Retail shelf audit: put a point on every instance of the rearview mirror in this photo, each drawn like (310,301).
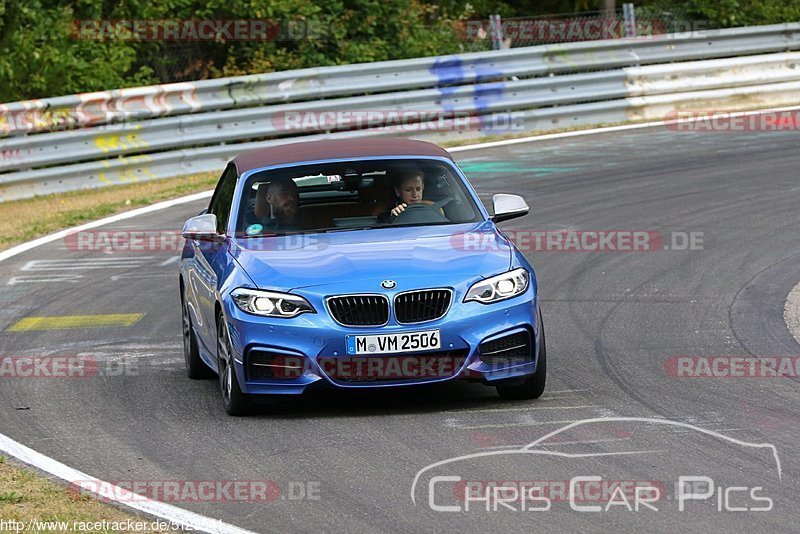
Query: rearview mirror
(201,228)
(508,207)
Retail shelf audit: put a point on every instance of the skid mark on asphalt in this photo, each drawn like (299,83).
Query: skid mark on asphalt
(127,276)
(91,263)
(75,321)
(11,293)
(45,279)
(53,266)
(103,349)
(527,409)
(455,424)
(576,442)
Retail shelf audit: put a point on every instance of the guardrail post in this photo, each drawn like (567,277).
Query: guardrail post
(609,9)
(497,32)
(630,20)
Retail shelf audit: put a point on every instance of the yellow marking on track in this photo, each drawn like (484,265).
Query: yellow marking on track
(63,322)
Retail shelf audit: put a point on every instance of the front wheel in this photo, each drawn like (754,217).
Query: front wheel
(235,402)
(195,367)
(533,386)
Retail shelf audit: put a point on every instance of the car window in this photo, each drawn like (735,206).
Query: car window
(223,197)
(357,194)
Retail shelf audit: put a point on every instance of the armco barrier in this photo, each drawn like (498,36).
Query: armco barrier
(162,131)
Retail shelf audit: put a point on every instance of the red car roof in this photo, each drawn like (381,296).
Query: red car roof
(335,149)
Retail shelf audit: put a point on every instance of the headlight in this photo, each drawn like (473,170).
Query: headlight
(270,303)
(500,287)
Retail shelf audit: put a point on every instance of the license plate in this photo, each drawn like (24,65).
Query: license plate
(394,343)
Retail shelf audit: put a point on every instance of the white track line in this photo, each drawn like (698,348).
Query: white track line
(168,512)
(19,249)
(173,513)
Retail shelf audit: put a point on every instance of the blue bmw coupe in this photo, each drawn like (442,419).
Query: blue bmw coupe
(356,264)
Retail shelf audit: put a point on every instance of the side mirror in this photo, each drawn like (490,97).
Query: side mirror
(508,207)
(202,228)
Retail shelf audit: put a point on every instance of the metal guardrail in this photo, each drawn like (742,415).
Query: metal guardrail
(538,88)
(91,109)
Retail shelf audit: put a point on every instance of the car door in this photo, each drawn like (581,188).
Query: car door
(211,259)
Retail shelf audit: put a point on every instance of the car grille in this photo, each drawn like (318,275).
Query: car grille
(404,368)
(419,306)
(510,349)
(360,310)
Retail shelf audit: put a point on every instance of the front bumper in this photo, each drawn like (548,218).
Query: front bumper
(319,342)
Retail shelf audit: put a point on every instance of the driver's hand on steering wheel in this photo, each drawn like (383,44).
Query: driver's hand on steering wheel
(400,208)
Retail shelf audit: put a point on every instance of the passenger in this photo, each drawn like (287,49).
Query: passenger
(276,209)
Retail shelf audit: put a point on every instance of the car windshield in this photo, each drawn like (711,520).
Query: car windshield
(352,195)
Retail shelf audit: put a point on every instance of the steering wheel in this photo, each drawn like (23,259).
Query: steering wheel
(420,213)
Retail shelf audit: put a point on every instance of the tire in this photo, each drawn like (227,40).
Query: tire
(234,401)
(533,386)
(196,369)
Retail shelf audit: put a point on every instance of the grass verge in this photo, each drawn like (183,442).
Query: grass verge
(36,504)
(27,219)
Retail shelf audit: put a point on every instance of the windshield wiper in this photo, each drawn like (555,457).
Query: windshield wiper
(346,229)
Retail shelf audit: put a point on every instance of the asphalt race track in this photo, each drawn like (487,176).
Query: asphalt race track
(615,322)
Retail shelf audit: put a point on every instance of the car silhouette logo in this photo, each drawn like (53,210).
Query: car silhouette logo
(388,284)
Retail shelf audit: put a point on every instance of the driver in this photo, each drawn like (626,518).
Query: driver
(409,189)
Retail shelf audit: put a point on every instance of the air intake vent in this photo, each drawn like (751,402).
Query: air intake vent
(507,350)
(264,365)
